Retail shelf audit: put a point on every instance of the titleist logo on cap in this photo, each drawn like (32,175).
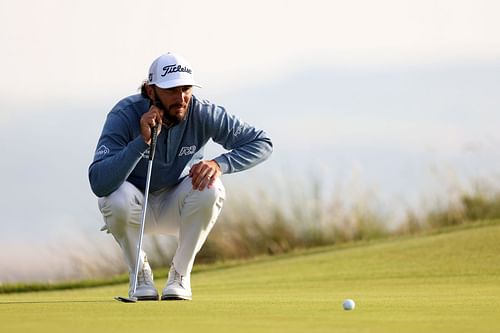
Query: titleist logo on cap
(176,68)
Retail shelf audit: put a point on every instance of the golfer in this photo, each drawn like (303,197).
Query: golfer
(186,192)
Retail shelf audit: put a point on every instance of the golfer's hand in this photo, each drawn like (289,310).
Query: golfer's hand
(204,174)
(149,120)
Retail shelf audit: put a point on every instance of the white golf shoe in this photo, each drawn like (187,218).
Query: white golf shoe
(178,287)
(145,289)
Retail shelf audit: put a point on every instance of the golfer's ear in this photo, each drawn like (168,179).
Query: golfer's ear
(151,92)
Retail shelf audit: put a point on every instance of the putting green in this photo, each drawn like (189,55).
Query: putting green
(448,282)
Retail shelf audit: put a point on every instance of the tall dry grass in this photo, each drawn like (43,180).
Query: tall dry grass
(261,225)
(257,225)
(481,203)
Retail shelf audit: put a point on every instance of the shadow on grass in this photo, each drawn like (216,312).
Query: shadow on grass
(54,302)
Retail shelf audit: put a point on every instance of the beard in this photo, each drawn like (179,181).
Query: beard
(175,118)
(168,118)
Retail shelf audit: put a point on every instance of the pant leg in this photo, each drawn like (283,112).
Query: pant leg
(122,213)
(191,214)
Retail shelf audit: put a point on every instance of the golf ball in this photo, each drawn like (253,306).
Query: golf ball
(349,304)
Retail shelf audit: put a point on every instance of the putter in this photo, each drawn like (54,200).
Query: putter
(152,149)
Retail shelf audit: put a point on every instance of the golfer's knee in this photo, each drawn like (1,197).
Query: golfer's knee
(120,207)
(213,195)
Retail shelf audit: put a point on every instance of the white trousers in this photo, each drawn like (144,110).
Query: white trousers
(186,213)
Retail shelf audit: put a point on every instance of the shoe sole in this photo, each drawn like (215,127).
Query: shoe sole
(147,298)
(175,298)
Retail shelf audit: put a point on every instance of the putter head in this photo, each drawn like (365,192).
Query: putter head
(126,299)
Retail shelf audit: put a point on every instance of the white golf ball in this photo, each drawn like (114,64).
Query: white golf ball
(349,304)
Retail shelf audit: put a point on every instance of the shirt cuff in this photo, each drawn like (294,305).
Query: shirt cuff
(138,145)
(223,163)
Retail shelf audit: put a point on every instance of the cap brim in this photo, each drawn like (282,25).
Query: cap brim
(175,83)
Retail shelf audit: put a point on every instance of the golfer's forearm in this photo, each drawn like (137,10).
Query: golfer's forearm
(246,156)
(108,174)
(247,145)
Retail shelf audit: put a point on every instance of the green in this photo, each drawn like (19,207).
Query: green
(441,282)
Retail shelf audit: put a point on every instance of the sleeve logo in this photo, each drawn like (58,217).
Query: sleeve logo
(238,130)
(101,151)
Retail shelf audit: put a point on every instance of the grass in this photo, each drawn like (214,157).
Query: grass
(446,281)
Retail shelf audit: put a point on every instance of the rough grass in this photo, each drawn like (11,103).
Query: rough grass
(446,281)
(263,226)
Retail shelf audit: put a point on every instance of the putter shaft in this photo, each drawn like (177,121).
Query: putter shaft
(154,134)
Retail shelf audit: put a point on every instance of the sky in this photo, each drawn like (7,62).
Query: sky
(400,96)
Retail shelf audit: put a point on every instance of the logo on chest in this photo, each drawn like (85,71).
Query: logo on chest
(189,150)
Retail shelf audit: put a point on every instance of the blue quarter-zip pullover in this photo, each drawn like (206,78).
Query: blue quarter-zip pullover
(121,152)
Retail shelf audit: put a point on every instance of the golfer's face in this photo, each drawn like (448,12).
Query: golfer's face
(176,101)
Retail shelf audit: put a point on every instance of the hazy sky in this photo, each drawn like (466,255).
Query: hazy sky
(96,48)
(383,88)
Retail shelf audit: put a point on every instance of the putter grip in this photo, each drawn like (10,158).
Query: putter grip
(154,138)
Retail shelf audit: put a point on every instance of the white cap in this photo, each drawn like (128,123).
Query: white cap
(171,70)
